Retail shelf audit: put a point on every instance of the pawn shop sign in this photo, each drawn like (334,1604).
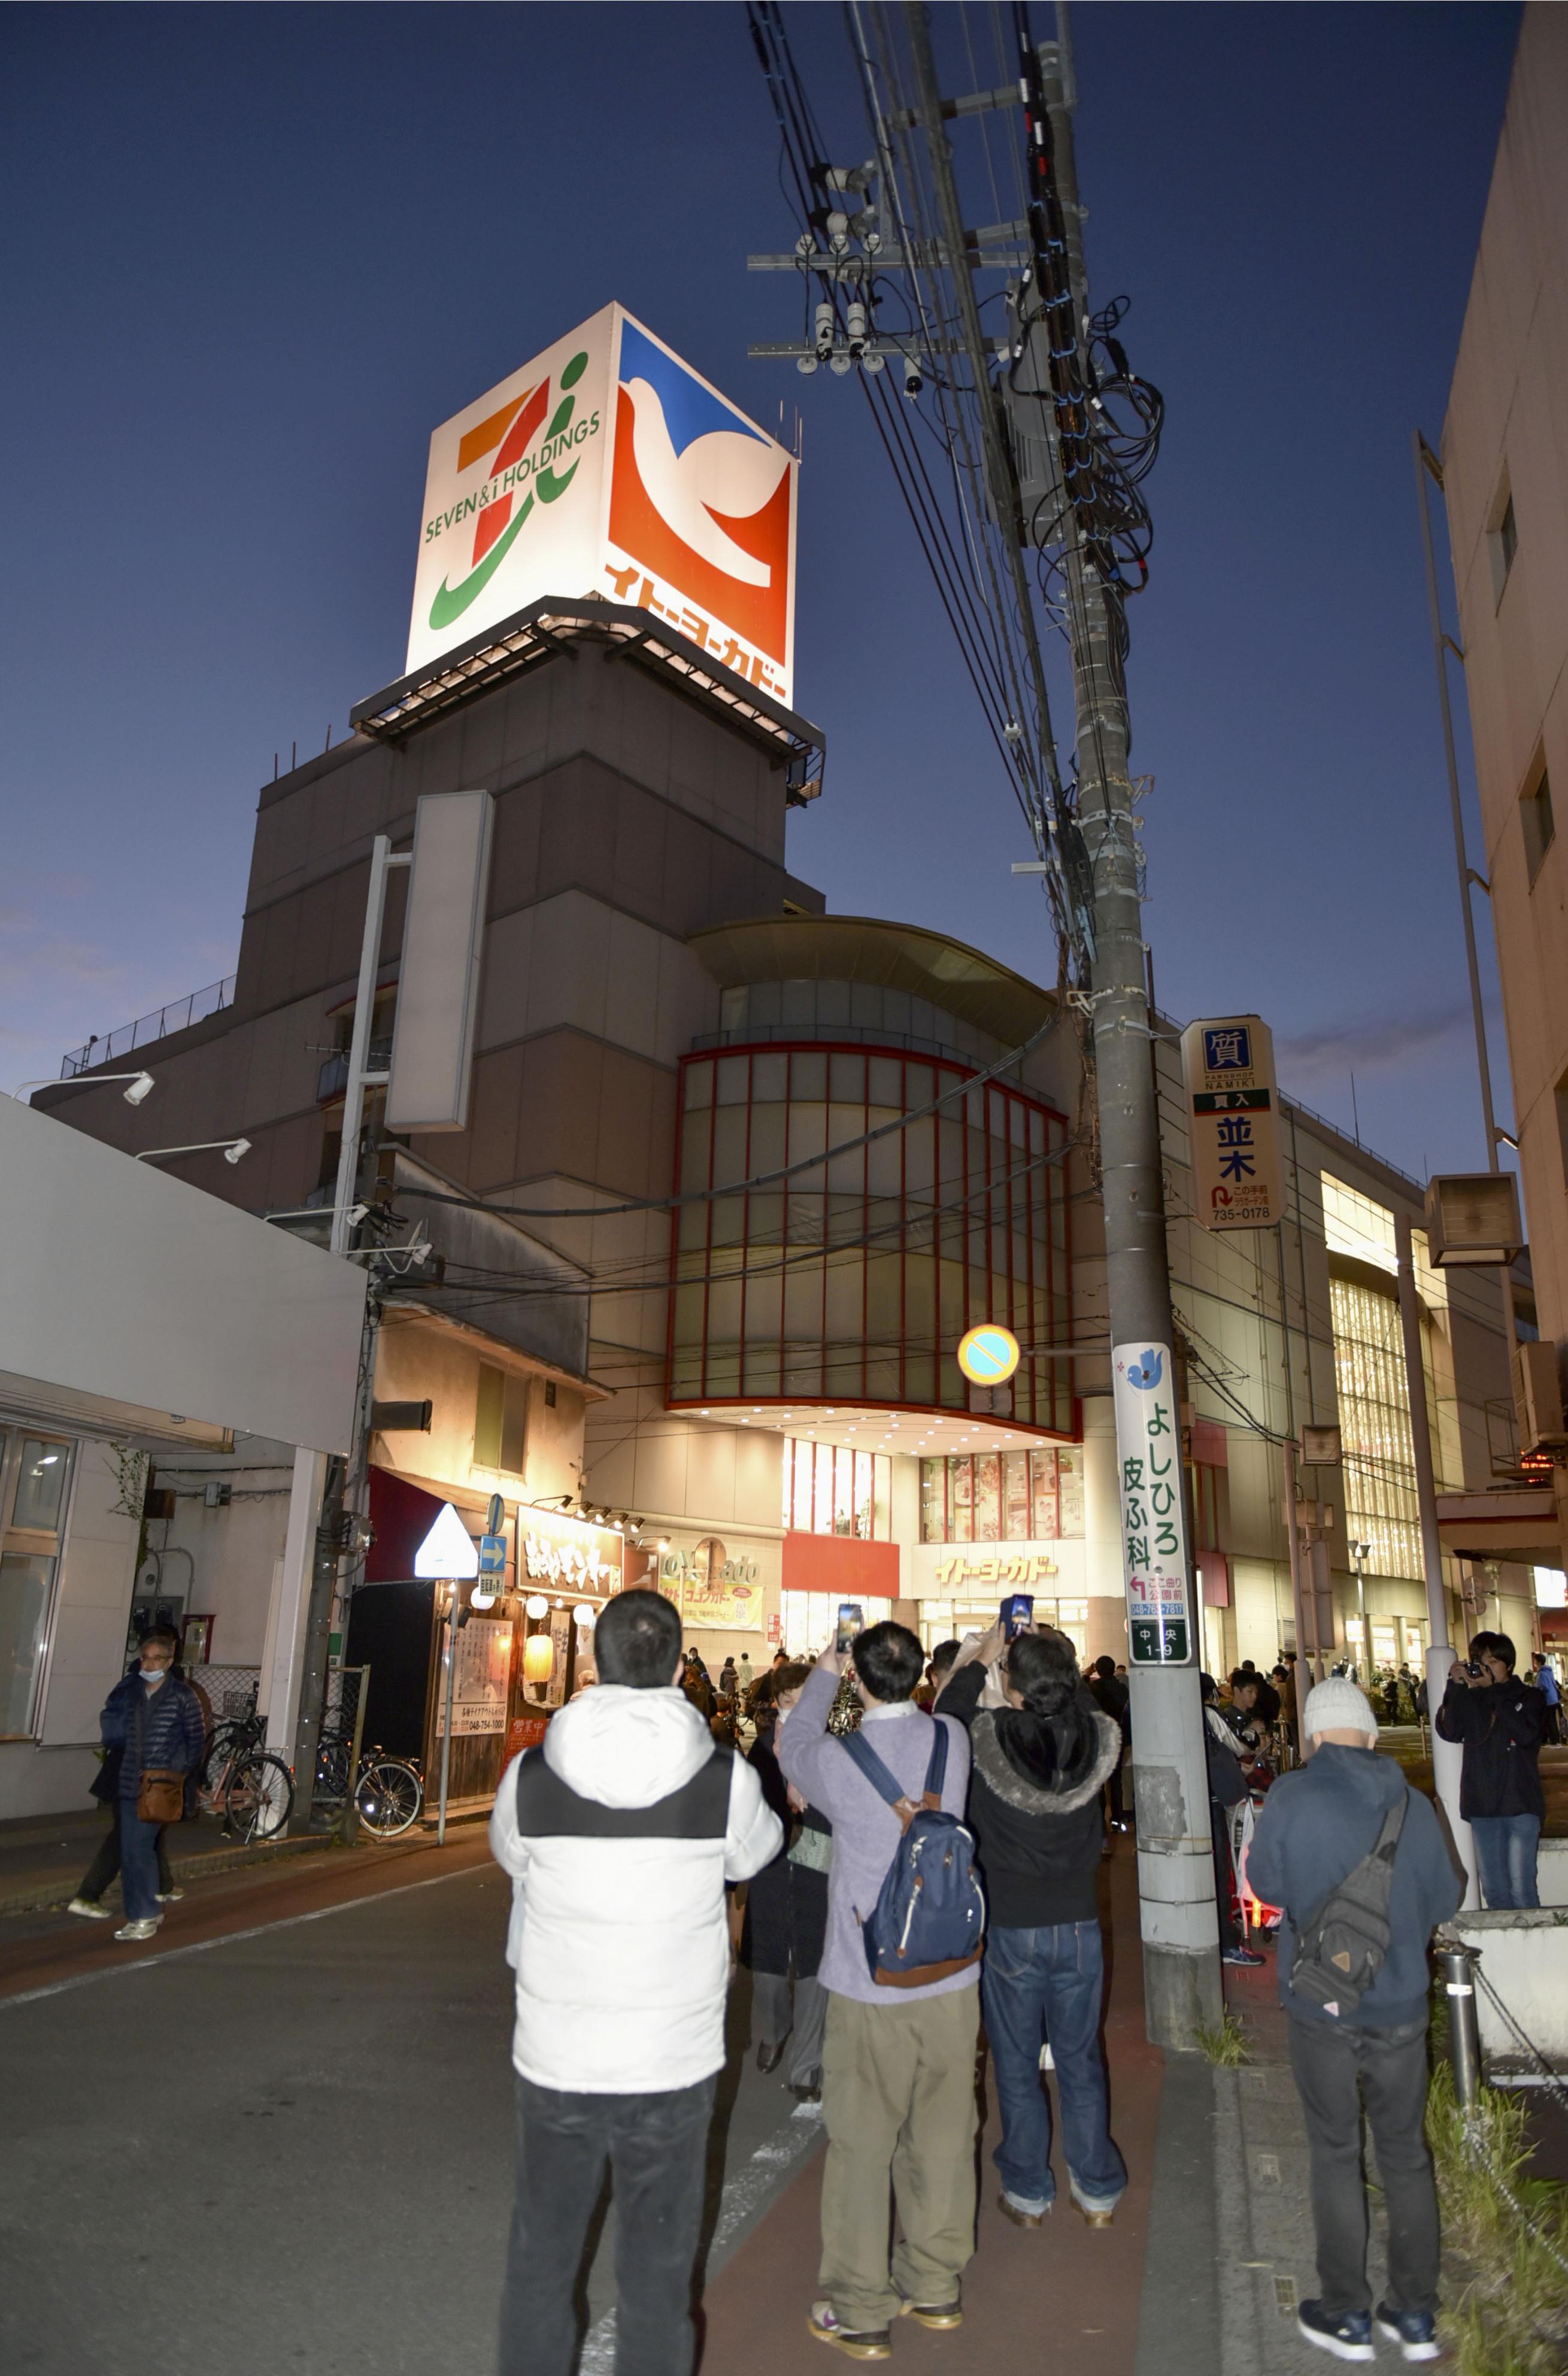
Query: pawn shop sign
(1232,1102)
(988,1355)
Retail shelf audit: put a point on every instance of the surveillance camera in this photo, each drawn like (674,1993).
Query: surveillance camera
(914,378)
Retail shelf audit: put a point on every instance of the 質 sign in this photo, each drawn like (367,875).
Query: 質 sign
(1227,1065)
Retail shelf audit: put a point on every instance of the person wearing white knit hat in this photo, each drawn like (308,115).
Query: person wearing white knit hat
(1338,1711)
(1317,1825)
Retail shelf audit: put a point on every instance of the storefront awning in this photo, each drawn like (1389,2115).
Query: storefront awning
(1517,1524)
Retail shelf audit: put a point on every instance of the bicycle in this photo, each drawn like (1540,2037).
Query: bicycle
(388,1791)
(245,1784)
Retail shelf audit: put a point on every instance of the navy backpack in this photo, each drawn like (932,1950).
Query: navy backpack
(929,1920)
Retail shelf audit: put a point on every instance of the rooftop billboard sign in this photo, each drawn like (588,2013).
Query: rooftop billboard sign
(607,466)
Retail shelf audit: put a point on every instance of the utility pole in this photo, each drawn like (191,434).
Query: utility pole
(330,1542)
(1176,1891)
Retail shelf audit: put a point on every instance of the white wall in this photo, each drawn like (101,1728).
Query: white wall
(118,1282)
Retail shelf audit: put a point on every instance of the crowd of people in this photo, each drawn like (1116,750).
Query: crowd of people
(670,1821)
(812,1786)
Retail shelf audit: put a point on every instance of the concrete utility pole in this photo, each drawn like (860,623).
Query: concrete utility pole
(329,1532)
(1176,1887)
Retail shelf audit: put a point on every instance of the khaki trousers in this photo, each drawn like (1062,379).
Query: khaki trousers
(898,2102)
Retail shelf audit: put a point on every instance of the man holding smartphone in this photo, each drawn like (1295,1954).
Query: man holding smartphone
(1501,1721)
(898,2063)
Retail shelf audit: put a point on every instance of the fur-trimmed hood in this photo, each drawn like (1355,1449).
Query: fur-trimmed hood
(991,1762)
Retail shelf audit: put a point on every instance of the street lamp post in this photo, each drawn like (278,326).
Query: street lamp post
(1361,1554)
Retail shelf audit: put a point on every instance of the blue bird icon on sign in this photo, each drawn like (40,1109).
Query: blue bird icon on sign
(1146,1372)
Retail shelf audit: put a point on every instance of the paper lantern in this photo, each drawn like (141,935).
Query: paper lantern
(539,1659)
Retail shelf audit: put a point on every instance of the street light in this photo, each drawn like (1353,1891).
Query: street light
(140,1085)
(233,1148)
(1361,1554)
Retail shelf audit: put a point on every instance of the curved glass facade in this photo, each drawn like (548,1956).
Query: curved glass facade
(853,1280)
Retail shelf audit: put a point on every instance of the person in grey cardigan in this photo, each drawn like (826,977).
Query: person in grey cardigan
(898,2063)
(1317,1824)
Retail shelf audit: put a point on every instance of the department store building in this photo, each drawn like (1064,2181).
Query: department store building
(746,1170)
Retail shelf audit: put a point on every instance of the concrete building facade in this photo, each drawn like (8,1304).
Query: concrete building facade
(738,1173)
(1504,459)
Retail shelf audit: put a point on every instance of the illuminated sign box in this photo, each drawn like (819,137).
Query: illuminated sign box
(607,466)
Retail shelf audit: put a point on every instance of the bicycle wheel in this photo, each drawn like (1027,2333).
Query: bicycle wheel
(389,1797)
(259,1798)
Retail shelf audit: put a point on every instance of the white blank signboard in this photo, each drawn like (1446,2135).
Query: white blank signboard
(432,1040)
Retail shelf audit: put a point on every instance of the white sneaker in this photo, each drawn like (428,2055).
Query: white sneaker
(167,1896)
(89,1910)
(144,1928)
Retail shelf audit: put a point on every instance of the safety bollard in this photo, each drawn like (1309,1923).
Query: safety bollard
(1459,1963)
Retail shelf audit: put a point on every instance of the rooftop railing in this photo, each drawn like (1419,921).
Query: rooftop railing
(147,1027)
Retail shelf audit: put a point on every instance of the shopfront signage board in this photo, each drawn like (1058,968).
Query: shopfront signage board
(606,465)
(481,1681)
(561,1555)
(1232,1109)
(1154,1542)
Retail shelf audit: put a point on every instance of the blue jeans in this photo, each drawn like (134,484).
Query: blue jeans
(138,1864)
(1035,1985)
(1505,1858)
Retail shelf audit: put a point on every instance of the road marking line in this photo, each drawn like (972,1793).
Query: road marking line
(230,1937)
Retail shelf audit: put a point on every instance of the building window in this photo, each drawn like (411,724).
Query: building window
(1503,539)
(829,1490)
(550,1394)
(1508,536)
(34,1470)
(1539,826)
(1006,1497)
(501,1422)
(950,1620)
(852,1280)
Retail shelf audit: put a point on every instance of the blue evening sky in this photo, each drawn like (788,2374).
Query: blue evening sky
(253,255)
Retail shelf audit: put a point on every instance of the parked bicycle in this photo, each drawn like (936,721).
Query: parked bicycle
(239,1781)
(388,1791)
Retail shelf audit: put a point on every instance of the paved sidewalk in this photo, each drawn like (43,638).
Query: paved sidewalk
(42,1858)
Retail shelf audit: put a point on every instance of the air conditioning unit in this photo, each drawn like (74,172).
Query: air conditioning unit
(1321,1447)
(1473,1216)
(1538,1398)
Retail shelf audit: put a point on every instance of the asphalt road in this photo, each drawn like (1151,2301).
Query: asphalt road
(281,2138)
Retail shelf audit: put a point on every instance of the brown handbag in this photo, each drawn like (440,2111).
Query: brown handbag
(160,1798)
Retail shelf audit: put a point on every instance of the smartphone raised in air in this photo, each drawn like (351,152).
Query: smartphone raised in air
(1018,1610)
(851,1621)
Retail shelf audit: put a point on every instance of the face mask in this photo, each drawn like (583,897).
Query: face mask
(153,1674)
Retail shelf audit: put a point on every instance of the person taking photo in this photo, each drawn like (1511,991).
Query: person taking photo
(1039,1766)
(1502,1722)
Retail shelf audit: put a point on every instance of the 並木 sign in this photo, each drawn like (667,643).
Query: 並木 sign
(1238,1178)
(1154,1534)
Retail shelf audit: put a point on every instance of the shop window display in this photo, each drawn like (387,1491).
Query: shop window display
(1012,1497)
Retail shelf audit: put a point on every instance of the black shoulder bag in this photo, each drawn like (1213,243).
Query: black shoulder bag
(1341,1949)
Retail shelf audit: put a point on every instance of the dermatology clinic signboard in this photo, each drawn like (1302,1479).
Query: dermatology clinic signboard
(1154,1542)
(607,466)
(1232,1102)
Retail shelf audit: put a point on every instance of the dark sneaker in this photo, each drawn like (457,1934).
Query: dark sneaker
(1241,1955)
(870,2343)
(939,2315)
(1347,2336)
(1415,2331)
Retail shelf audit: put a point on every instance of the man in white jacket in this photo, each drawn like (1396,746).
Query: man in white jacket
(620,1834)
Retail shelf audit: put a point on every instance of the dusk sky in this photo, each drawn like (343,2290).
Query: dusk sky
(255,254)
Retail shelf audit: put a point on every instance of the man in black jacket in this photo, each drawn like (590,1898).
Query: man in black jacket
(1039,1765)
(1317,1824)
(1501,1721)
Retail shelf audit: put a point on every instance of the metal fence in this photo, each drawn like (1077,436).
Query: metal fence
(193,1008)
(225,1693)
(341,1742)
